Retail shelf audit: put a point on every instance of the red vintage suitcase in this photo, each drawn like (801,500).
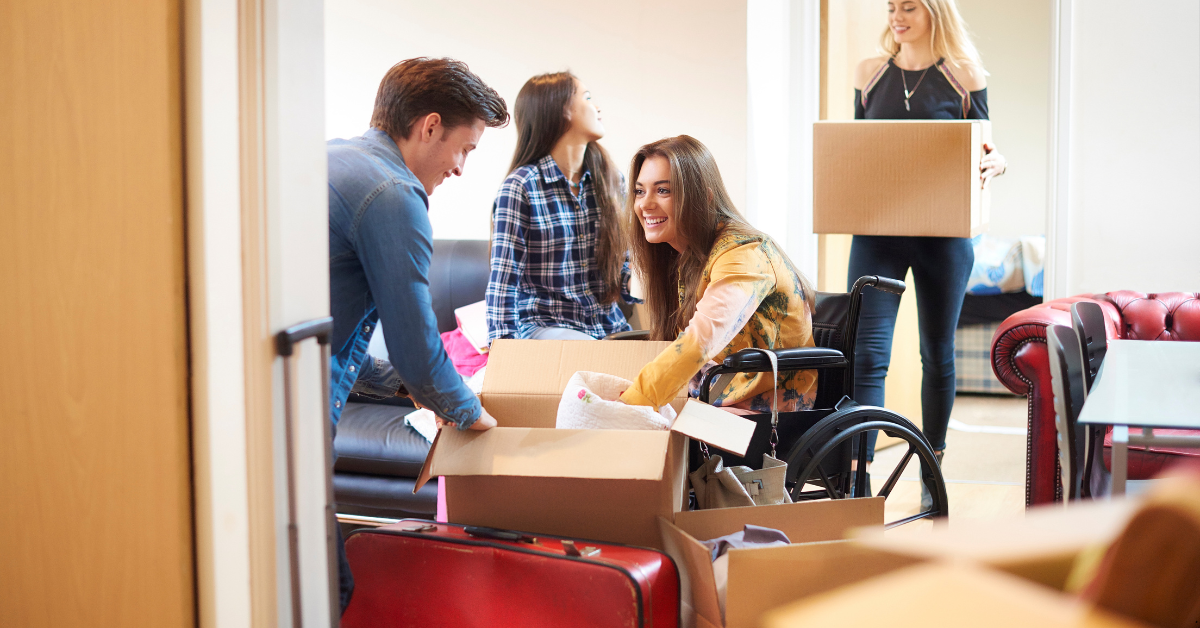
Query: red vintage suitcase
(421,573)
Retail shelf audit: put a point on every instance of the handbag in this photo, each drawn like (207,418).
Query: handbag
(719,486)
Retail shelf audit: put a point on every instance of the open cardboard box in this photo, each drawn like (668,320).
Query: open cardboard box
(760,579)
(1042,545)
(900,177)
(607,485)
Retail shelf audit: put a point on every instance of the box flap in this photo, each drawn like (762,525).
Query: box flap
(721,429)
(544,366)
(532,452)
(695,568)
(425,475)
(765,578)
(1041,545)
(803,522)
(527,377)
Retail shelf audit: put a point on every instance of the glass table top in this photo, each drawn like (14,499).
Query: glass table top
(1146,383)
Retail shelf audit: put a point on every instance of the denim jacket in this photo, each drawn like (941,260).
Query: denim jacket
(380,247)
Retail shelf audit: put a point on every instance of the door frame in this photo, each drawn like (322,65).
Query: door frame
(254,120)
(1058,181)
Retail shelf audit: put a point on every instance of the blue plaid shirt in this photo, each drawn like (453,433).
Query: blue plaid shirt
(544,257)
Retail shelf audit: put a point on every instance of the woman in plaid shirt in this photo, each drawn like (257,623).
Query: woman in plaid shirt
(559,260)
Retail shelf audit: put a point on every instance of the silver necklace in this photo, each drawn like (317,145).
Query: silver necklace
(908,94)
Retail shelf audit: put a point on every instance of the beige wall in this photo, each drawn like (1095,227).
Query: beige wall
(1013,38)
(655,68)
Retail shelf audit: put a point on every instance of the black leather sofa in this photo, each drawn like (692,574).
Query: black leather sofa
(378,456)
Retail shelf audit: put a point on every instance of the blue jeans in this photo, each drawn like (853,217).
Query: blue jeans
(941,268)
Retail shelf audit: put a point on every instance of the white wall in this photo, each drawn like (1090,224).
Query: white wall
(784,95)
(1130,206)
(655,68)
(1013,38)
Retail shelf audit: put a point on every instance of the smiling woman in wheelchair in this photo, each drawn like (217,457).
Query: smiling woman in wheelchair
(713,284)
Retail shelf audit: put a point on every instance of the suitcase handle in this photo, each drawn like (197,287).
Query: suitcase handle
(569,547)
(285,345)
(498,535)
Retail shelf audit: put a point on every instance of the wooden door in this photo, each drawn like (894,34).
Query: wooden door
(95,489)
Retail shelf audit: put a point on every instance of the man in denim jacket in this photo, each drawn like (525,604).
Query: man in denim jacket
(429,114)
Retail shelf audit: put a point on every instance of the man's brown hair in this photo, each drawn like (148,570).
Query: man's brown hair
(415,88)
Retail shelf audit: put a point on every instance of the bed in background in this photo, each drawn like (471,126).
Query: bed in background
(1006,278)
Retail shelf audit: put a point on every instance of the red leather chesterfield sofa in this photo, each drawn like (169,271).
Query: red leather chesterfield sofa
(1020,360)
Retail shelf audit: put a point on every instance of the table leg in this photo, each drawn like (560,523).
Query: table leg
(1120,462)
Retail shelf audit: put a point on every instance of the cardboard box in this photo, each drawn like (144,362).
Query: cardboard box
(900,177)
(939,594)
(1041,546)
(760,579)
(608,485)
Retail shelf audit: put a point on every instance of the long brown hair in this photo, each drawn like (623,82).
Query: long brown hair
(703,212)
(541,116)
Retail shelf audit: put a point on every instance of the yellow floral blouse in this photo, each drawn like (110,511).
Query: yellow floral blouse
(750,296)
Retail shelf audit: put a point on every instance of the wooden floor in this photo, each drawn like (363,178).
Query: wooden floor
(984,471)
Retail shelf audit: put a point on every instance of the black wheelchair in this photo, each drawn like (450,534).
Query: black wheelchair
(826,447)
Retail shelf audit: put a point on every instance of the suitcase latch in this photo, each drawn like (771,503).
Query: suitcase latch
(421,528)
(571,549)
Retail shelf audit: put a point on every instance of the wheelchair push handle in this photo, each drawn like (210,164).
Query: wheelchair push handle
(801,358)
(885,284)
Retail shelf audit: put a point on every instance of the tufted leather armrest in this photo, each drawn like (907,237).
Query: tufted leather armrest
(1021,362)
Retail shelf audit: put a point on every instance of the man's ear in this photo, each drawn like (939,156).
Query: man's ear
(431,127)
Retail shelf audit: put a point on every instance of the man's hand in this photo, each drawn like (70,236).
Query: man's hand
(484,422)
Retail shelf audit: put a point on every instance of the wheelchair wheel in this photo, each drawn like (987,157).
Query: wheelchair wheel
(822,457)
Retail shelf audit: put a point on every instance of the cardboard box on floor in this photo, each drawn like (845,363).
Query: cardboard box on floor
(1042,545)
(941,594)
(900,177)
(760,579)
(608,485)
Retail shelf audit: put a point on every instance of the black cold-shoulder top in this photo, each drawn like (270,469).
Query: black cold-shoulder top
(938,97)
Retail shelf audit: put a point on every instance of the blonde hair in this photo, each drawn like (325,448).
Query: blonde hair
(948,36)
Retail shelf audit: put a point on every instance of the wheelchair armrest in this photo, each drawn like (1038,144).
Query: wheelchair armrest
(636,334)
(751,361)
